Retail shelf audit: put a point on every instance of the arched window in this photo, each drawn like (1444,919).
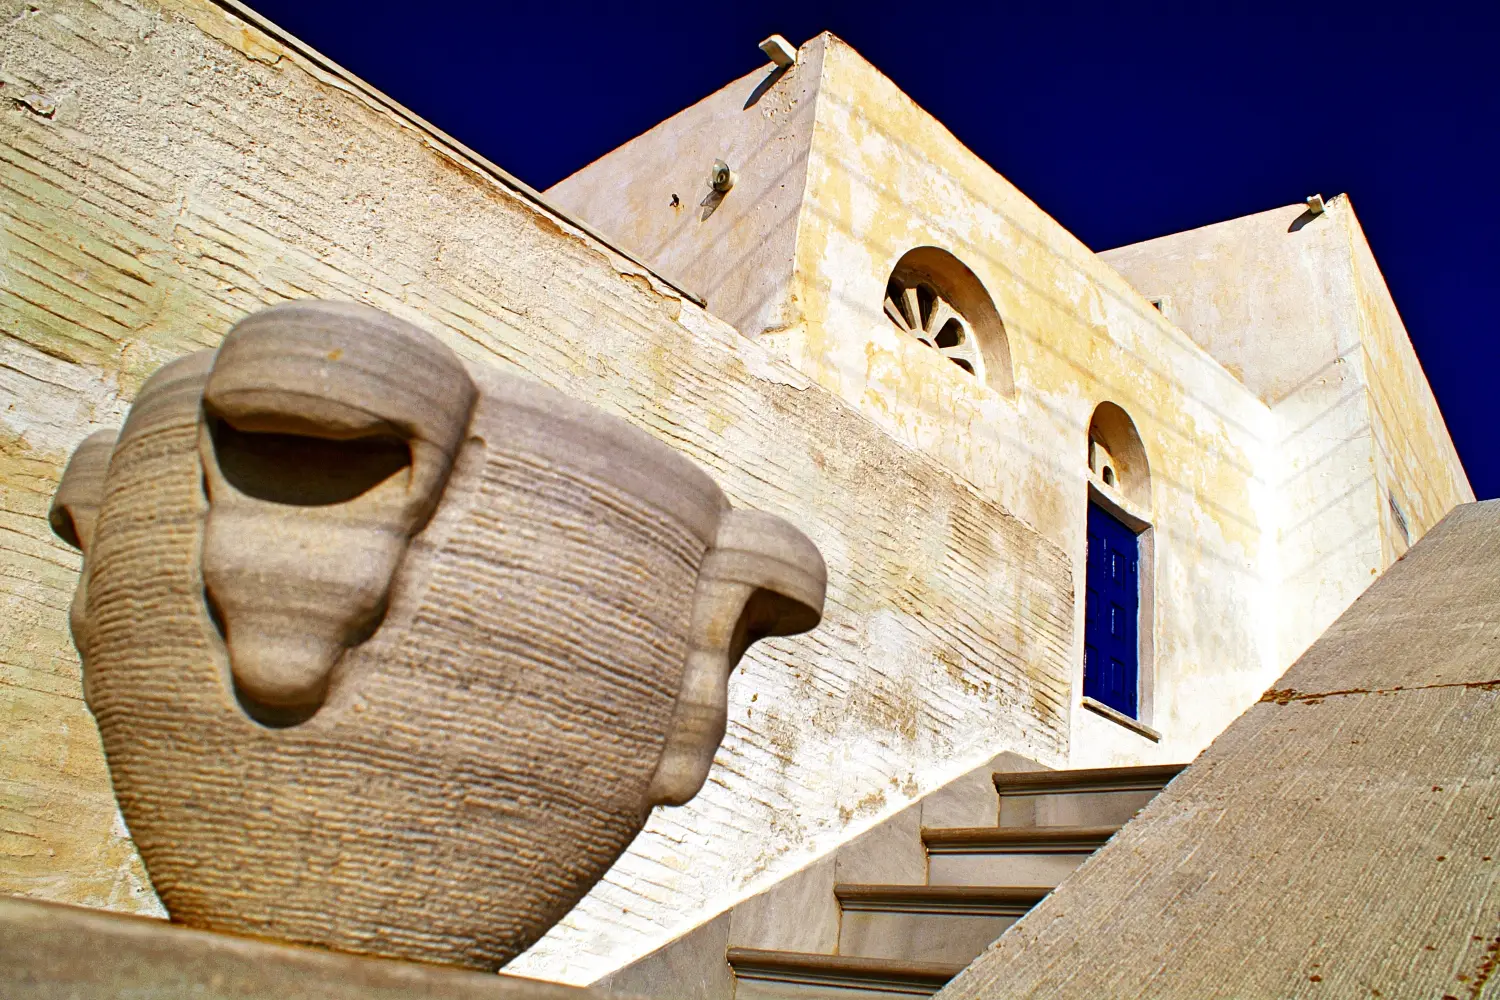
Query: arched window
(1117,458)
(1117,639)
(932,296)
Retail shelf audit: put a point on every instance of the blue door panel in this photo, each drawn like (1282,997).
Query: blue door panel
(1111,613)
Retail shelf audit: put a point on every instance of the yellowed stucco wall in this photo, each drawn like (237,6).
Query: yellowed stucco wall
(1275,391)
(884,176)
(169,169)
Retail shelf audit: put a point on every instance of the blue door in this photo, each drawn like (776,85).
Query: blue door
(1111,613)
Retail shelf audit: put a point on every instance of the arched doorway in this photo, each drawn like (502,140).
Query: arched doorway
(1117,600)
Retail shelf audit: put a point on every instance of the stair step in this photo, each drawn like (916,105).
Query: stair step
(1013,856)
(1016,839)
(963,900)
(1084,797)
(1146,777)
(931,923)
(764,974)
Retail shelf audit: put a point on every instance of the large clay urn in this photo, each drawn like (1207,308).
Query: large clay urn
(394,655)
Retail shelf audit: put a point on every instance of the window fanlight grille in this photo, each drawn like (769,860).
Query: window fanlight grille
(919,310)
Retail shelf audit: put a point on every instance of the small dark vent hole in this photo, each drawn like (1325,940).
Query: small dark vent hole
(1109,476)
(894,292)
(951,335)
(302,471)
(1400,516)
(926,297)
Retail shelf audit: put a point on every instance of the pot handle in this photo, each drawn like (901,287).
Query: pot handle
(762,578)
(73,514)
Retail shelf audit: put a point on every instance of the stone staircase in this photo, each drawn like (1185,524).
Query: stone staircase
(904,907)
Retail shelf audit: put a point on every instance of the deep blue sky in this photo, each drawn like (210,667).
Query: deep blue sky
(1122,122)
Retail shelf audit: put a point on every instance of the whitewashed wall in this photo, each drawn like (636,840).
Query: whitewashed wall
(168,169)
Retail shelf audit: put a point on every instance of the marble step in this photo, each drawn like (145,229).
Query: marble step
(1012,856)
(927,923)
(1103,796)
(772,975)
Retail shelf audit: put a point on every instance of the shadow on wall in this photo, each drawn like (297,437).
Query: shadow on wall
(776,73)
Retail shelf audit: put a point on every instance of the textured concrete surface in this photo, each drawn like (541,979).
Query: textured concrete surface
(188,170)
(1339,839)
(55,952)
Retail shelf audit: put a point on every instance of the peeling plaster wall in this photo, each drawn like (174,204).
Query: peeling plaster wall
(653,193)
(1295,306)
(168,169)
(884,177)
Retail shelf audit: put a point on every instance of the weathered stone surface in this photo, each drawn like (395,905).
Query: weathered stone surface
(799,913)
(54,952)
(692,967)
(196,170)
(1340,839)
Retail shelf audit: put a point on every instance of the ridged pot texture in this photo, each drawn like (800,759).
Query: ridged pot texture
(403,677)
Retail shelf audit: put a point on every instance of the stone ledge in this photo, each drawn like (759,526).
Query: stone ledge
(1120,718)
(49,951)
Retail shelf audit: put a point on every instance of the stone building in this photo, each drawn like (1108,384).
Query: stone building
(1078,508)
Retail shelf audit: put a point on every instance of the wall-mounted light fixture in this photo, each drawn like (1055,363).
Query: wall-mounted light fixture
(721,178)
(1315,204)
